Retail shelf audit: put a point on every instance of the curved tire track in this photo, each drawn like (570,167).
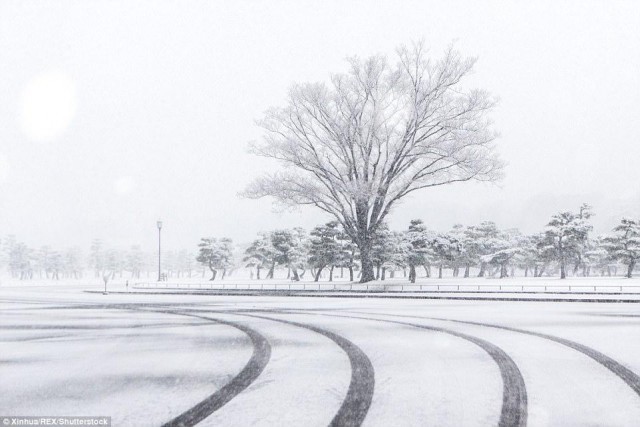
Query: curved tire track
(356,403)
(627,375)
(514,392)
(251,371)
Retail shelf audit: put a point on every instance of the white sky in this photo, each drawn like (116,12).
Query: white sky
(115,113)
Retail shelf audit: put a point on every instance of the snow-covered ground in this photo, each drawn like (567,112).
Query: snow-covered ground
(144,359)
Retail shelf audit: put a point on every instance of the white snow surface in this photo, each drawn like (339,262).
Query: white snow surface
(64,351)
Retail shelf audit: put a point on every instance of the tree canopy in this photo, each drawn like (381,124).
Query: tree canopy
(375,134)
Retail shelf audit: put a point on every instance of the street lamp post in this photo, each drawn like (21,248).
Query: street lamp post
(159,223)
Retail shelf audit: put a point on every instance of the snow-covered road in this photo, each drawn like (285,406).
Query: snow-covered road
(247,360)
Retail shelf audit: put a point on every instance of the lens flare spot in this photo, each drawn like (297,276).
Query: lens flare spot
(48,106)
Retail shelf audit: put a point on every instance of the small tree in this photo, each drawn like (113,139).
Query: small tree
(624,244)
(567,233)
(21,259)
(446,248)
(134,261)
(97,256)
(383,250)
(527,257)
(325,249)
(291,248)
(215,254)
(348,253)
(478,241)
(417,238)
(597,257)
(261,254)
(72,263)
(506,247)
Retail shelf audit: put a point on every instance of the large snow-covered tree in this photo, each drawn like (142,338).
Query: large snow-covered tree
(376,134)
(624,244)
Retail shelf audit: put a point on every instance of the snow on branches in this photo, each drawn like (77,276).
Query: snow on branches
(375,134)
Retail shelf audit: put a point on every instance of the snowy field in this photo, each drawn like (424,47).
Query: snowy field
(233,360)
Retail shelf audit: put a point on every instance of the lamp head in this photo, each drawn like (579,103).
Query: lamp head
(159,225)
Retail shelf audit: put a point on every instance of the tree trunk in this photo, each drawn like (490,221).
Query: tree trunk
(563,270)
(503,271)
(331,274)
(350,273)
(317,275)
(466,271)
(296,278)
(213,274)
(440,271)
(384,271)
(483,267)
(412,273)
(271,270)
(258,272)
(366,271)
(526,271)
(632,264)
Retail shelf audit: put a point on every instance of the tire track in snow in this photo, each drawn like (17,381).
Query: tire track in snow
(251,371)
(357,401)
(514,392)
(627,375)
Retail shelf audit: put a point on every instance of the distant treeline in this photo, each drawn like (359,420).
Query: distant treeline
(564,247)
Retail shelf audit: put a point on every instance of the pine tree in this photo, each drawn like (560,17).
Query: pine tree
(567,233)
(446,248)
(215,254)
(417,238)
(624,244)
(325,249)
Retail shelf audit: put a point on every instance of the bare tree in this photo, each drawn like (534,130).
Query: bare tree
(376,134)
